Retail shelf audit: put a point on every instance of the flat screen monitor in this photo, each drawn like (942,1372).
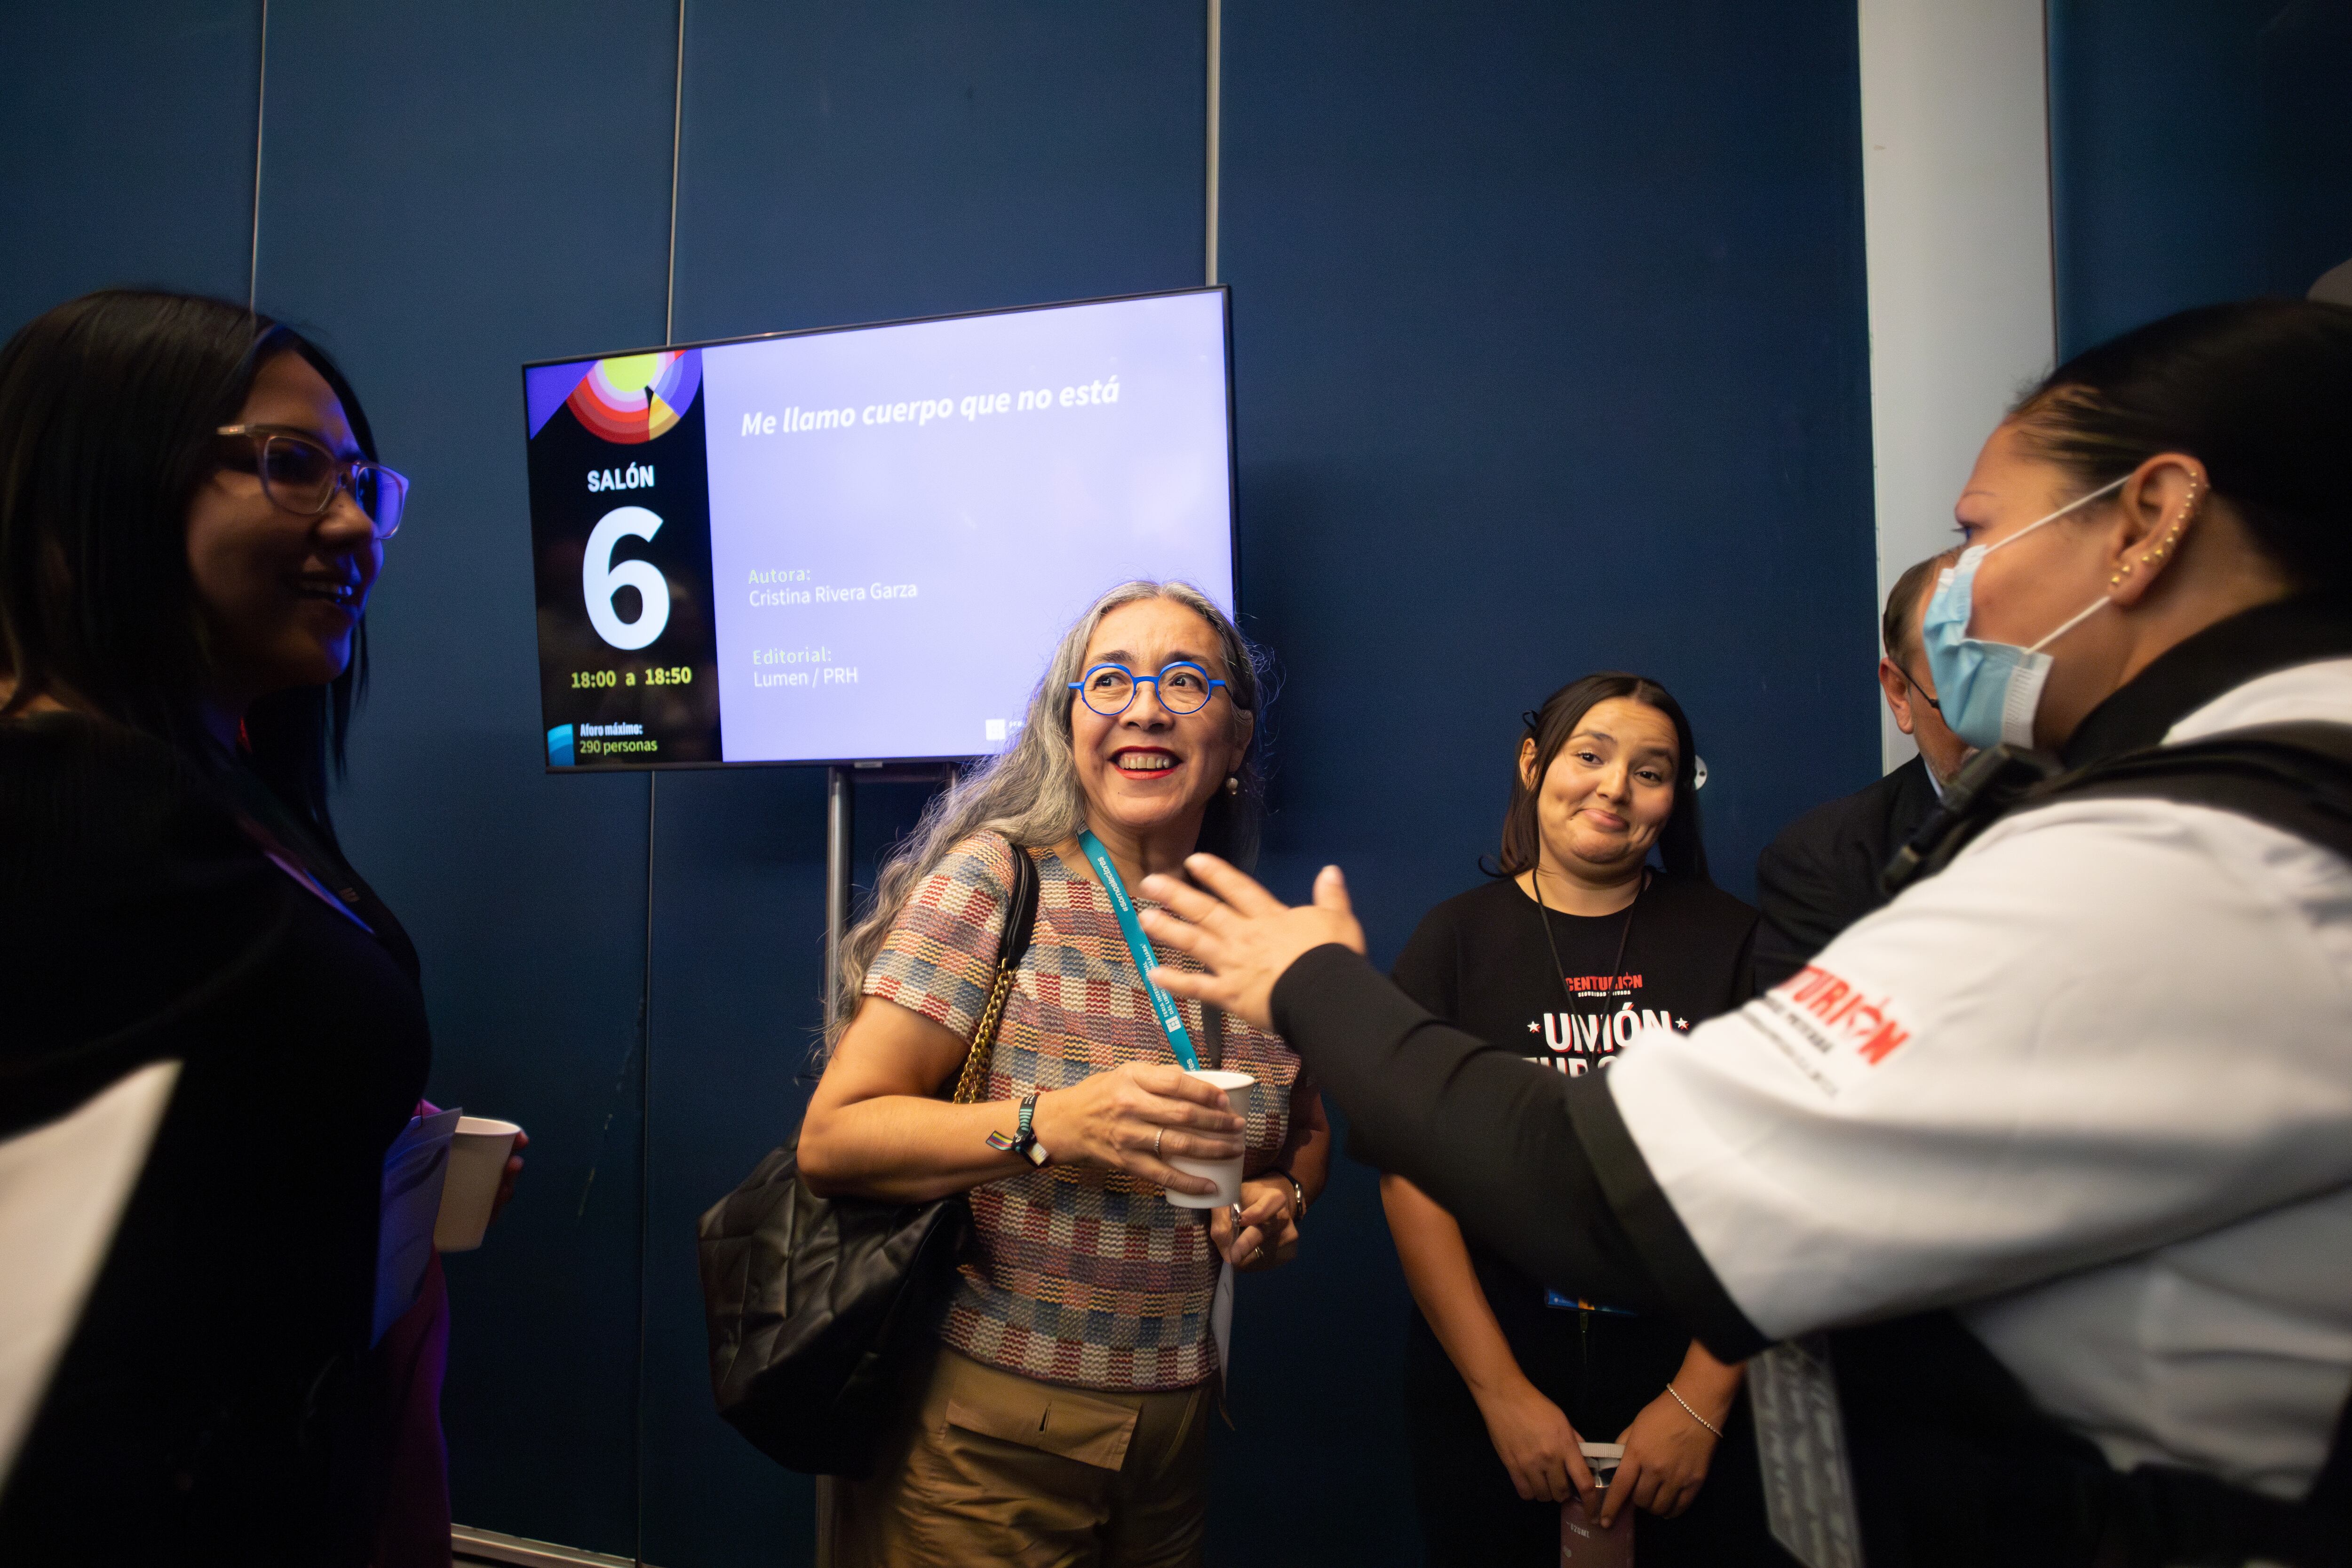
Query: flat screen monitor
(860,543)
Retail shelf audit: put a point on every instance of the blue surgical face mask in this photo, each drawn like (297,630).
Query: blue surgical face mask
(1989,690)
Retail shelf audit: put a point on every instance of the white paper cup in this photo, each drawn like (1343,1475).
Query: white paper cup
(1582,1542)
(478,1158)
(1226,1173)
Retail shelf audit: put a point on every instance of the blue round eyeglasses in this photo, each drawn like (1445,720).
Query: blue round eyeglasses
(1182,688)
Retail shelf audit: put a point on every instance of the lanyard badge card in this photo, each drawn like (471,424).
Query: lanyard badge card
(1237,1086)
(1226,1173)
(1138,947)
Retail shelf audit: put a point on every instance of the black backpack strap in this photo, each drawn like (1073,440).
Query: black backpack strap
(1987,785)
(2294,777)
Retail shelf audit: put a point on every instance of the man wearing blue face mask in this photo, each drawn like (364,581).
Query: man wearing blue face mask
(2056,1147)
(1825,870)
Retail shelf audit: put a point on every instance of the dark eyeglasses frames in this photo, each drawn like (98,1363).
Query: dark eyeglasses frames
(301,475)
(1919,690)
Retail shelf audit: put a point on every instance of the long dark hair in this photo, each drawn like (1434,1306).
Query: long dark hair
(107,406)
(1681,842)
(2259,391)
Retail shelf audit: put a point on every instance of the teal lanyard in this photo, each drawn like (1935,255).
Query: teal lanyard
(1139,946)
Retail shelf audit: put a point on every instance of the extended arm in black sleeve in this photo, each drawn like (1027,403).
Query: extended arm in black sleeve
(1537,1166)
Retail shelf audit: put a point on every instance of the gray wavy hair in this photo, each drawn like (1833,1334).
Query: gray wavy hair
(1030,793)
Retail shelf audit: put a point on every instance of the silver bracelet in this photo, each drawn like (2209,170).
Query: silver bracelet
(1695,1414)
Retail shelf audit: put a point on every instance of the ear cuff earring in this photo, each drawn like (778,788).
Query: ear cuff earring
(2170,538)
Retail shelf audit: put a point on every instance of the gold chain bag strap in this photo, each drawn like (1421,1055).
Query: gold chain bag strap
(823,1313)
(1020,923)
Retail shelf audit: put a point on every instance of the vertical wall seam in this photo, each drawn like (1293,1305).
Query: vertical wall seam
(2050,176)
(676,140)
(644,1181)
(645,989)
(1215,116)
(260,113)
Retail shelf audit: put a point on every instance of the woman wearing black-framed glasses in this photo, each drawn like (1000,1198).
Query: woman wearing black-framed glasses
(192,518)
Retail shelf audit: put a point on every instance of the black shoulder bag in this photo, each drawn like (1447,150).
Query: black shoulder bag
(821,1310)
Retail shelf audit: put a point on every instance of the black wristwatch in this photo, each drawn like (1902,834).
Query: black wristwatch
(1023,1140)
(1298,1215)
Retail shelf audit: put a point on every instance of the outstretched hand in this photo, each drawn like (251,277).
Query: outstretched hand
(1245,935)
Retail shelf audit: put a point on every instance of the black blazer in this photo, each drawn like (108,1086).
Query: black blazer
(1821,874)
(210,1406)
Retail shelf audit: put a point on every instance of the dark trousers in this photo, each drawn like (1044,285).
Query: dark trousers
(1601,1370)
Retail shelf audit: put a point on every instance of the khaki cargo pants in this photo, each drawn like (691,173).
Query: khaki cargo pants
(996,1468)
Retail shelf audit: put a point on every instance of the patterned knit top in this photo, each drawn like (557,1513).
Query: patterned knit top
(1083,1275)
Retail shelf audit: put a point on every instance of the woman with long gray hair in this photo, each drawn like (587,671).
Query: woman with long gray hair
(1066,1416)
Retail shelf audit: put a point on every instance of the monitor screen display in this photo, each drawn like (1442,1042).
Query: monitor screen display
(860,543)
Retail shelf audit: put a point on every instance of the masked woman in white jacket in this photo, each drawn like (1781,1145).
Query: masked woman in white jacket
(2061,1139)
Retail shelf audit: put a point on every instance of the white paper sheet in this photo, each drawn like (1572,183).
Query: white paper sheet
(414,1169)
(62,1188)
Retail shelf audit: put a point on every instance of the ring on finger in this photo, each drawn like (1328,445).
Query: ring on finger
(1156,1136)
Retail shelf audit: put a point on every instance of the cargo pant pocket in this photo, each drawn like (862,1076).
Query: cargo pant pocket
(1055,1421)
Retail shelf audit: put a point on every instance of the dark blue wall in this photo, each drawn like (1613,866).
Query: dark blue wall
(1550,333)
(2199,150)
(1550,330)
(126,147)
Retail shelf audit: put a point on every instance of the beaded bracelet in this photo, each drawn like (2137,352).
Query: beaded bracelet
(1693,1414)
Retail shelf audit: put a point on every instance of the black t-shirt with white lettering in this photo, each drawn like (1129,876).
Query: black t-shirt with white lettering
(1480,962)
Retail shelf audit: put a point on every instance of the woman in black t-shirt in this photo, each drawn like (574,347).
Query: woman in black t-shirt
(1575,950)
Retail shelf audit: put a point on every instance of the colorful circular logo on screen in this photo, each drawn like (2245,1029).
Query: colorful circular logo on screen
(637,396)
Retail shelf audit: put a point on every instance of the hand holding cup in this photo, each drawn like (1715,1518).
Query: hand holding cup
(510,1175)
(1137,1118)
(480,1154)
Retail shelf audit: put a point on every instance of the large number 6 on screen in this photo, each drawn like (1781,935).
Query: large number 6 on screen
(600,580)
